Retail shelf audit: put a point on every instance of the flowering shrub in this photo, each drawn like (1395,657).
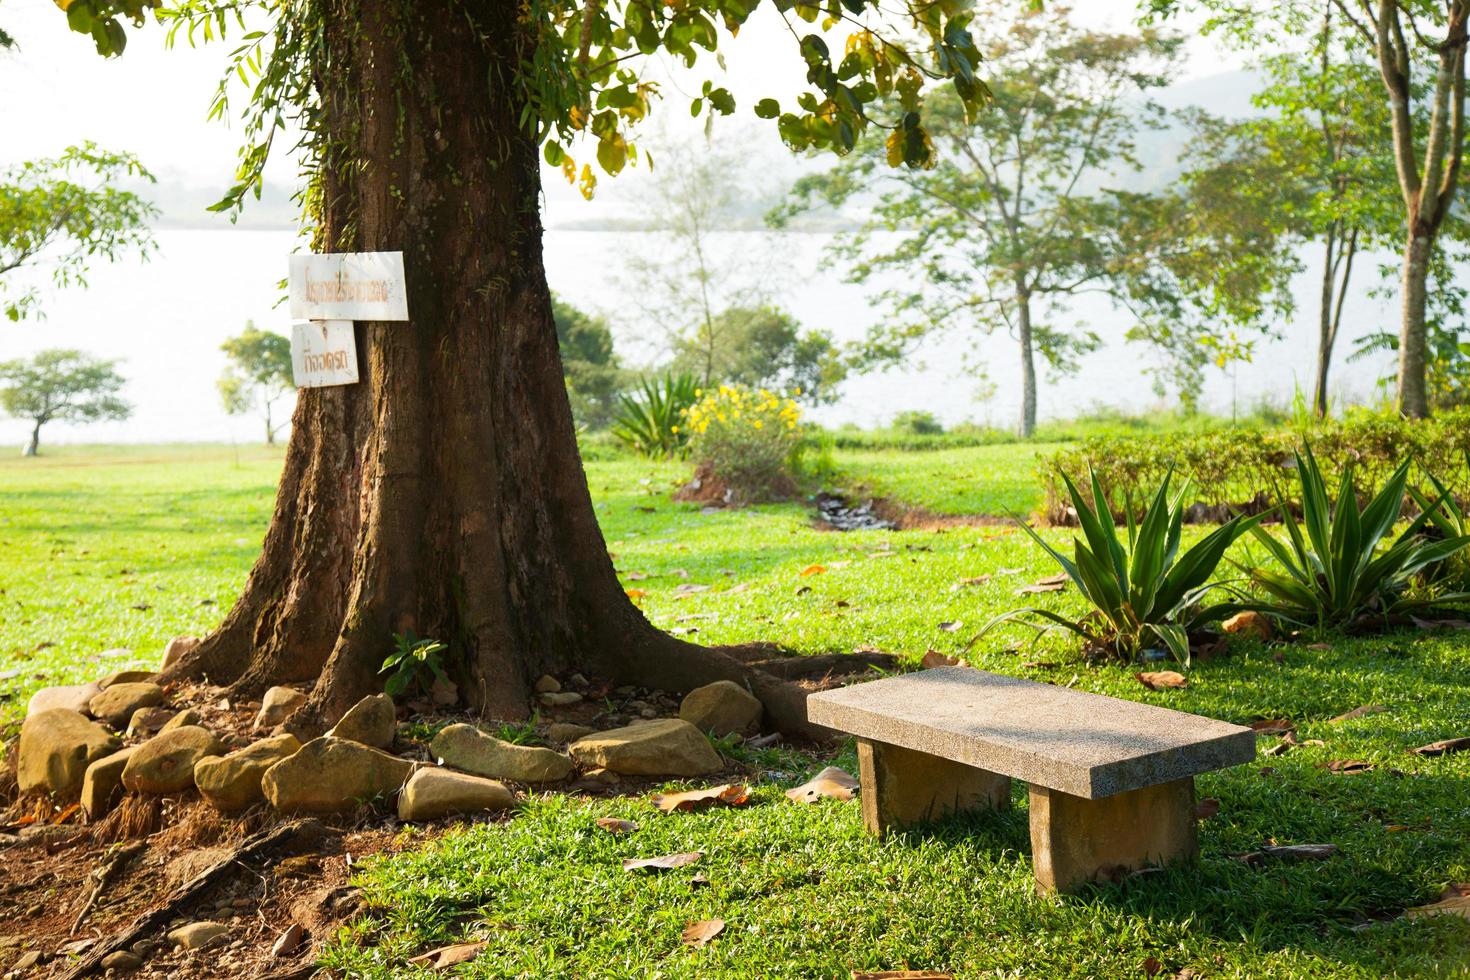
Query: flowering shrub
(744,441)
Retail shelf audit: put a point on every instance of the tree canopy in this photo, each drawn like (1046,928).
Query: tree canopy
(65,212)
(258,374)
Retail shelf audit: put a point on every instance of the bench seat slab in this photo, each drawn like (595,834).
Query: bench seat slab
(902,787)
(1076,840)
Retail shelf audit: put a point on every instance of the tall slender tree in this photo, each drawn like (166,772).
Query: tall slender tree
(445,493)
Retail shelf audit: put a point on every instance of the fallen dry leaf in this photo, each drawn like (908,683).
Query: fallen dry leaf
(730,794)
(1358,712)
(689,589)
(1347,767)
(446,956)
(615,826)
(807,572)
(902,975)
(968,583)
(699,933)
(830,783)
(288,941)
(1159,680)
(1272,726)
(1444,747)
(1289,852)
(1052,583)
(951,625)
(1206,808)
(1152,967)
(933,658)
(635,576)
(1449,906)
(664,862)
(636,594)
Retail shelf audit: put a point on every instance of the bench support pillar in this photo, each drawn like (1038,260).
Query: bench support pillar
(1075,840)
(902,787)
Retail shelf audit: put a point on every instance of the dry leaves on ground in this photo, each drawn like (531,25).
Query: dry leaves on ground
(1454,900)
(968,583)
(446,956)
(1206,808)
(933,658)
(1347,767)
(831,783)
(1444,747)
(615,826)
(1052,583)
(1160,680)
(1358,712)
(951,625)
(730,794)
(1273,726)
(699,933)
(664,862)
(636,594)
(811,570)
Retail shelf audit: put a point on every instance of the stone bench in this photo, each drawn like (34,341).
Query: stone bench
(1112,781)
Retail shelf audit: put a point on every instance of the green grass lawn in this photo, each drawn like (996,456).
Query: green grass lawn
(87,535)
(990,480)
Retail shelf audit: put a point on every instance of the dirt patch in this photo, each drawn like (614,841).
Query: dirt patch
(712,490)
(852,511)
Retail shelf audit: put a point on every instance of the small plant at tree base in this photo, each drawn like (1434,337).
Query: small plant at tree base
(1143,593)
(747,440)
(651,421)
(1331,572)
(413,664)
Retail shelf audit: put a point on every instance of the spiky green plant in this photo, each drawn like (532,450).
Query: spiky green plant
(1448,520)
(1331,569)
(650,421)
(1143,591)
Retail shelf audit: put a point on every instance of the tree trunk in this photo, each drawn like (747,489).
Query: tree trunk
(270,430)
(34,446)
(1413,391)
(444,493)
(1028,363)
(1334,295)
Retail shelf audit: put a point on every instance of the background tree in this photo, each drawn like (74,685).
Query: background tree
(445,494)
(65,213)
(61,386)
(594,375)
(258,375)
(1419,49)
(763,347)
(1006,226)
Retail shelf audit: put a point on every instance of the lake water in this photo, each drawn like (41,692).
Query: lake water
(165,320)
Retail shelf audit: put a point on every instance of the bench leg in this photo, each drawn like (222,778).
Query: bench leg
(1074,841)
(901,787)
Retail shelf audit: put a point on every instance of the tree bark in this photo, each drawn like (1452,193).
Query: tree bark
(34,446)
(444,493)
(1338,258)
(1024,335)
(1413,390)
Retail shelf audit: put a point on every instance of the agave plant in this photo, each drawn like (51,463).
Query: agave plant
(1447,519)
(1143,592)
(651,421)
(1332,572)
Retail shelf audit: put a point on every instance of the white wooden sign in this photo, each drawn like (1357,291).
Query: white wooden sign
(348,286)
(323,353)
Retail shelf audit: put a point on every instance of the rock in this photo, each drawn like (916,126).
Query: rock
(184,719)
(191,864)
(565,732)
(27,961)
(671,747)
(277,706)
(288,942)
(1248,624)
(233,782)
(56,746)
(371,721)
(198,935)
(165,763)
(722,708)
(122,961)
(547,685)
(102,783)
(178,648)
(72,697)
(578,680)
(433,793)
(466,747)
(148,721)
(125,677)
(333,775)
(116,704)
(558,699)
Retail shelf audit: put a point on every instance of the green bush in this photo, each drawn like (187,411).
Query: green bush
(1245,470)
(917,423)
(745,442)
(650,422)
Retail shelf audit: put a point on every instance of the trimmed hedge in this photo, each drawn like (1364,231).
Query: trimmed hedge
(1248,470)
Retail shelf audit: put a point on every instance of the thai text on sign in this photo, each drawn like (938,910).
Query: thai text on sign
(323,353)
(348,286)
